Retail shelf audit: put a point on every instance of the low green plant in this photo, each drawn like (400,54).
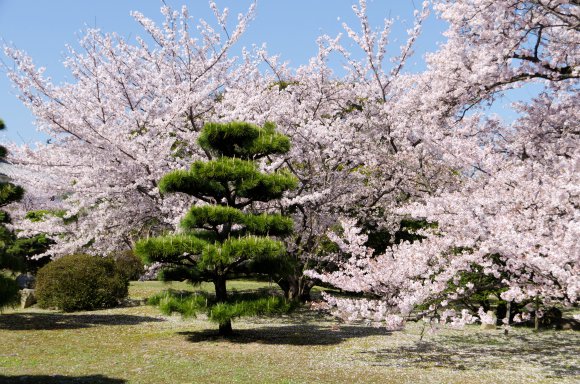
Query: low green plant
(8,291)
(128,264)
(80,282)
(190,304)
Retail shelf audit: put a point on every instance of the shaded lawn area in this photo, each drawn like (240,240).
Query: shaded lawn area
(138,345)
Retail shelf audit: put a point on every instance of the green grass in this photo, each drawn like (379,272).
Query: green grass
(137,344)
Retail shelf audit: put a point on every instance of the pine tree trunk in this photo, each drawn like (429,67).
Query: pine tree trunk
(221,295)
(225,329)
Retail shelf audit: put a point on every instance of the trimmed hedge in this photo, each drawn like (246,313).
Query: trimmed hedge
(80,282)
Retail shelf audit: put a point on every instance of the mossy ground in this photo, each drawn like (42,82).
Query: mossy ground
(136,344)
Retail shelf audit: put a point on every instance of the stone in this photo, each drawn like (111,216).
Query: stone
(27,298)
(26,280)
(491,325)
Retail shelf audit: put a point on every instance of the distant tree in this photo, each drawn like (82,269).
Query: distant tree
(226,236)
(13,250)
(9,193)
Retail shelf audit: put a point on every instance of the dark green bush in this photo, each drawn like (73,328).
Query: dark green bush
(80,282)
(8,291)
(128,264)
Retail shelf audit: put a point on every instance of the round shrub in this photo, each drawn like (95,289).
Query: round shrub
(80,282)
(128,264)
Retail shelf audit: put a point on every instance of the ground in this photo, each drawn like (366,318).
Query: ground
(135,344)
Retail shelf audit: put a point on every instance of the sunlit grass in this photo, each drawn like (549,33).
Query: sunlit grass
(139,345)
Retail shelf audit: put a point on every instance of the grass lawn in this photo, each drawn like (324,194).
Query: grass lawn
(138,345)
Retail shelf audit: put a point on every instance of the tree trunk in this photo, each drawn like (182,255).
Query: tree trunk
(304,285)
(221,295)
(536,317)
(225,329)
(296,288)
(284,286)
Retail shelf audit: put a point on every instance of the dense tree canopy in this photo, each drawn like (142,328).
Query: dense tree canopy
(15,252)
(8,193)
(512,216)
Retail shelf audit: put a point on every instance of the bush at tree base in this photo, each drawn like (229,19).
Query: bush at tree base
(128,264)
(8,291)
(80,282)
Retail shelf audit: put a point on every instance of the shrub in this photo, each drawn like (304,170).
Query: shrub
(80,282)
(8,291)
(128,264)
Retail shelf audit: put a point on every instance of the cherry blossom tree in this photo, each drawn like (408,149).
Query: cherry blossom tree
(131,114)
(354,152)
(512,216)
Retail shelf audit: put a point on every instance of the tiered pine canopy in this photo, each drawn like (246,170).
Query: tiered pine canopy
(226,237)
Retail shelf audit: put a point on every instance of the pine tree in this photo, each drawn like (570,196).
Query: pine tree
(9,193)
(225,237)
(14,250)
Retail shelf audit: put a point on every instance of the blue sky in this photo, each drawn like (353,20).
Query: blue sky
(289,28)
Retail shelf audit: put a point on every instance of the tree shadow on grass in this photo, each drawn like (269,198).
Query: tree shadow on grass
(57,379)
(296,334)
(557,354)
(55,321)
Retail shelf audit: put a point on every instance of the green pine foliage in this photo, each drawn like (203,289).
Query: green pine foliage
(9,193)
(215,180)
(21,248)
(13,250)
(8,291)
(226,236)
(243,140)
(190,304)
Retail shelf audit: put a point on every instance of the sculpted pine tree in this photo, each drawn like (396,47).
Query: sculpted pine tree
(226,237)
